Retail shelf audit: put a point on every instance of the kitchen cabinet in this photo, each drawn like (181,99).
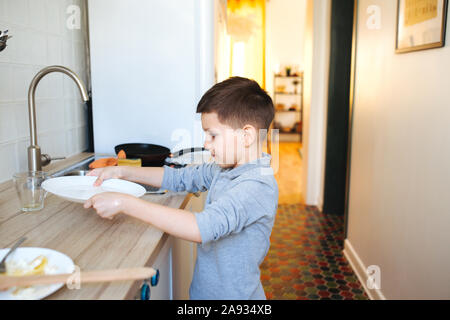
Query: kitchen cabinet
(175,260)
(184,254)
(163,263)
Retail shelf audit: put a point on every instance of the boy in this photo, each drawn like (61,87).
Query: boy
(234,229)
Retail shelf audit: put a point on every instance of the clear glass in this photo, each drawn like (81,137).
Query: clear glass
(29,190)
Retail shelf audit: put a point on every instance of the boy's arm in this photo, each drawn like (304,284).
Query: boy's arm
(147,175)
(177,222)
(191,178)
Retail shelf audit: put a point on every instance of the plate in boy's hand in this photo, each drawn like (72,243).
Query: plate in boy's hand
(81,188)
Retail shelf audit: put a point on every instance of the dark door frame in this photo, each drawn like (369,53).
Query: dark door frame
(340,108)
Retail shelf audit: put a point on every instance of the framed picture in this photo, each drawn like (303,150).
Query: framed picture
(421,24)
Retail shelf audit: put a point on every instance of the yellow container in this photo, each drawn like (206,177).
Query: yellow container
(129,162)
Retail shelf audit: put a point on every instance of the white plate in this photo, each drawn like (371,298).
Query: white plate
(57,263)
(81,188)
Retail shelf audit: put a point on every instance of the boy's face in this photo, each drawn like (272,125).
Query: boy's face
(226,144)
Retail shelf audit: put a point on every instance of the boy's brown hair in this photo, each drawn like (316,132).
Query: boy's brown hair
(238,101)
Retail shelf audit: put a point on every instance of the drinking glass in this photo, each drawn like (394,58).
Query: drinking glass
(29,190)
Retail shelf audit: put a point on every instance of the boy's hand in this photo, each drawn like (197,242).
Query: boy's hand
(105,173)
(107,204)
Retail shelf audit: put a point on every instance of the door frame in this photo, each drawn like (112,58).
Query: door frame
(351,111)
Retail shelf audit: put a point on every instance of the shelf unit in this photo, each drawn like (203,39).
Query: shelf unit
(292,96)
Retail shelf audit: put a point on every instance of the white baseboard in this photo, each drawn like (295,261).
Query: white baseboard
(320,205)
(360,270)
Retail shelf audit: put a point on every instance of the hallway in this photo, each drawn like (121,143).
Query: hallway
(305,259)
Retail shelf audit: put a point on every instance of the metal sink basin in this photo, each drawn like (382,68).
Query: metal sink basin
(77,173)
(77,169)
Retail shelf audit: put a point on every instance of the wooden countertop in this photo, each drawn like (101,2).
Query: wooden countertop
(93,243)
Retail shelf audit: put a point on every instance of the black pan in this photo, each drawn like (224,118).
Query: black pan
(151,155)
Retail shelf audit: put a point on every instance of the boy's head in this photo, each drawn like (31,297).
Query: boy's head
(236,115)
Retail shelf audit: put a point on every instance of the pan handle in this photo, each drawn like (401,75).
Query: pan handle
(184,151)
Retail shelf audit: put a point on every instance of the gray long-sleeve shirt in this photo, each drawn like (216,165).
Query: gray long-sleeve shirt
(235,226)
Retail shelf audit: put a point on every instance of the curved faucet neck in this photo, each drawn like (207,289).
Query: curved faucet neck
(34,157)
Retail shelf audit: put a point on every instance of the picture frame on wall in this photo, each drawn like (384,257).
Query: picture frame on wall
(421,24)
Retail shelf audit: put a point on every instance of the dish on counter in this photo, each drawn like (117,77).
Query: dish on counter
(81,188)
(34,261)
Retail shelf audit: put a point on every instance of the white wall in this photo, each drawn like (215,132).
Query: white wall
(317,54)
(40,38)
(399,208)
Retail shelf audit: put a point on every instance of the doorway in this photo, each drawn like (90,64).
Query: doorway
(339,108)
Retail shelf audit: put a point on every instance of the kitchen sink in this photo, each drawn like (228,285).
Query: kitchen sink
(76,173)
(82,168)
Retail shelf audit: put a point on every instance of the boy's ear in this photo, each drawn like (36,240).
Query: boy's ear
(250,134)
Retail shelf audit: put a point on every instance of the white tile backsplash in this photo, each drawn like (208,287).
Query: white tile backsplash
(5,83)
(22,155)
(50,86)
(8,165)
(54,50)
(71,141)
(38,17)
(81,135)
(70,88)
(19,45)
(21,78)
(8,129)
(17,12)
(69,113)
(22,120)
(2,10)
(40,38)
(38,45)
(67,49)
(54,19)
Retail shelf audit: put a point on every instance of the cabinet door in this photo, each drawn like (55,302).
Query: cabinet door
(184,254)
(163,290)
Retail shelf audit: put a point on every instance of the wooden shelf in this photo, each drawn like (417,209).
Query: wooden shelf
(280,76)
(289,93)
(292,92)
(291,132)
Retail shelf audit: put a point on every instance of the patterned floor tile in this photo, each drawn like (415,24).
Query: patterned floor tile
(305,260)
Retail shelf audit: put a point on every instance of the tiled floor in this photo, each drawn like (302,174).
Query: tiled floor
(305,260)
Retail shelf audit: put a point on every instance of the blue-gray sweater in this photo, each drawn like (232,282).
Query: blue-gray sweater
(235,225)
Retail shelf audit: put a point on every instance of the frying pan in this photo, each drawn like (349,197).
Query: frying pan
(152,155)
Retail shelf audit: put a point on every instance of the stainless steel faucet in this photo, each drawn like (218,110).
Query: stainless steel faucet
(35,159)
